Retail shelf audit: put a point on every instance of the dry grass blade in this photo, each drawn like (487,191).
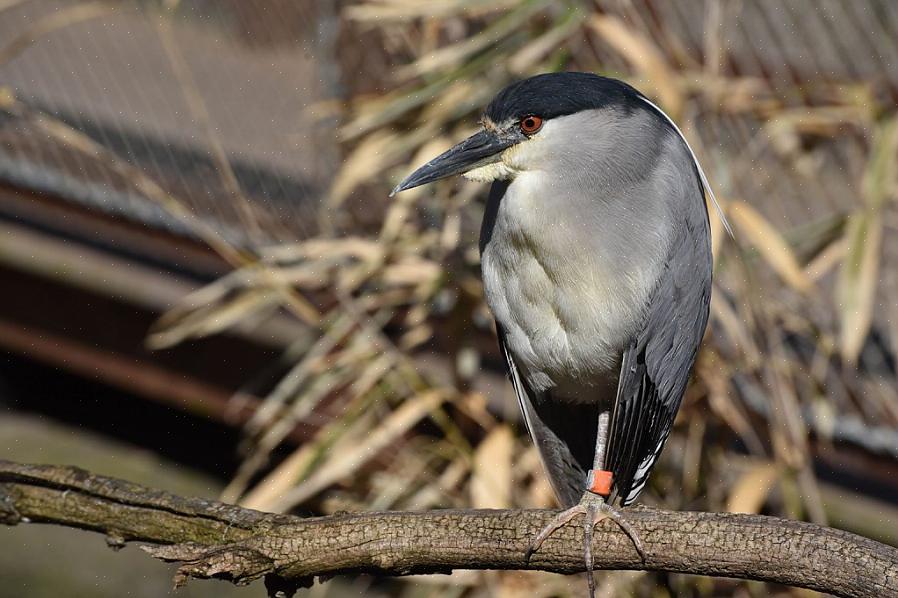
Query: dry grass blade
(771,245)
(462,97)
(277,483)
(735,328)
(372,374)
(321,387)
(379,112)
(644,56)
(453,55)
(235,298)
(290,298)
(371,114)
(325,249)
(785,127)
(858,279)
(751,490)
(7,4)
(717,378)
(389,487)
(826,260)
(881,177)
(353,367)
(491,479)
(371,156)
(434,493)
(337,436)
(341,464)
(527,57)
(59,19)
(379,13)
(190,316)
(290,384)
(411,271)
(860,272)
(172,329)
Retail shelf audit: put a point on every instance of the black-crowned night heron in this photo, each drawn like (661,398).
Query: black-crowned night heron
(596,259)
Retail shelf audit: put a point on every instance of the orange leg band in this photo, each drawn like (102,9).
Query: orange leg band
(600,482)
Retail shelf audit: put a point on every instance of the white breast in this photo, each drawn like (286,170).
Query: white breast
(562,285)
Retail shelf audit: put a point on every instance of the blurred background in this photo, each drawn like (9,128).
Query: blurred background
(204,286)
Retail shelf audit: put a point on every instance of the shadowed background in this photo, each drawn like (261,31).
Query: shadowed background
(206,288)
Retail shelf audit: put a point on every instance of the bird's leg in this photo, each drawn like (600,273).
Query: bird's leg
(594,509)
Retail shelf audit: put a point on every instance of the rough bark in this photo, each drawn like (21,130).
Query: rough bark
(211,539)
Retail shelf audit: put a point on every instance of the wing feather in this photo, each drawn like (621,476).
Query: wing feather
(655,367)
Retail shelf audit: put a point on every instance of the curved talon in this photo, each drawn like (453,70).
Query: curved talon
(560,521)
(621,521)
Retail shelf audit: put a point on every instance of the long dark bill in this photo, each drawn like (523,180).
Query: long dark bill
(484,147)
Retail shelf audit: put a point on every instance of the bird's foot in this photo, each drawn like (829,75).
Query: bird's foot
(594,509)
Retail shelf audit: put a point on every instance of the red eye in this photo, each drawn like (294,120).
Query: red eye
(531,124)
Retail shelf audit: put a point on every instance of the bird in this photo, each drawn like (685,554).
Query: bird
(596,263)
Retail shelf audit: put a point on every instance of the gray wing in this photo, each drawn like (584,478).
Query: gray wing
(564,433)
(655,367)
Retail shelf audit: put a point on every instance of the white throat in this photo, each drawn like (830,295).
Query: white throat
(497,171)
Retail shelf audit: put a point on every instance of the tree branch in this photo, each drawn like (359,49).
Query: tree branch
(212,539)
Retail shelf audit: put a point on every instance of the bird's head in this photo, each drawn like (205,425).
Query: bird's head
(530,124)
